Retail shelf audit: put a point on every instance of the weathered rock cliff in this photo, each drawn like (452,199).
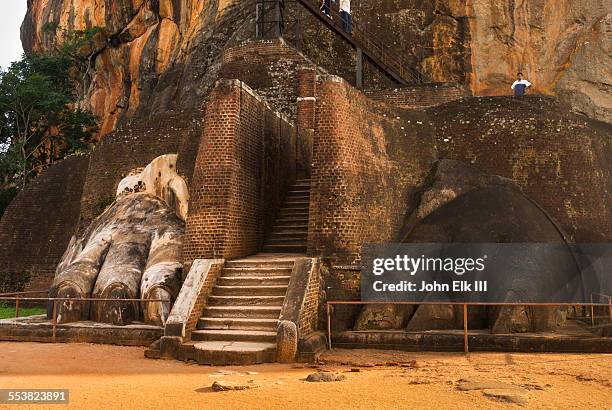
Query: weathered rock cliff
(161,54)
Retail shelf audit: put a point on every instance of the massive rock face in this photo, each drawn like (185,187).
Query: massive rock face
(563,46)
(458,204)
(149,54)
(155,55)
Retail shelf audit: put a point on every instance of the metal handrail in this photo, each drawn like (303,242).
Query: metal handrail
(593,305)
(366,40)
(30,292)
(18,299)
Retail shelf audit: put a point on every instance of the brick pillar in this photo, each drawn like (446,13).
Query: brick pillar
(212,187)
(306,103)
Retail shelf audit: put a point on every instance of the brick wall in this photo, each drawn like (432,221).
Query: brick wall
(356,196)
(419,96)
(38,224)
(269,67)
(245,162)
(369,157)
(309,314)
(134,146)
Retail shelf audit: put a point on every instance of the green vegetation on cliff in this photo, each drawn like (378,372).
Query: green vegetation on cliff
(40,118)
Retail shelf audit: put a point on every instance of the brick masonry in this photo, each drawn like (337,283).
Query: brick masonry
(38,224)
(355,195)
(370,157)
(245,162)
(134,146)
(269,67)
(309,315)
(419,96)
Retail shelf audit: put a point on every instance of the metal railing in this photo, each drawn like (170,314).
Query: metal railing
(17,299)
(375,49)
(601,295)
(330,305)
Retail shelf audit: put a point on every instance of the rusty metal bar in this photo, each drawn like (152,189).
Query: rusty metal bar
(353,302)
(17,308)
(465,329)
(31,292)
(84,299)
(54,320)
(592,312)
(329,335)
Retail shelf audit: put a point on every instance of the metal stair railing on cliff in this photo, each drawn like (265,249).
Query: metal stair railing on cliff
(364,41)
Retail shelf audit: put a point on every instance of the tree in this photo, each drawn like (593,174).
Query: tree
(40,121)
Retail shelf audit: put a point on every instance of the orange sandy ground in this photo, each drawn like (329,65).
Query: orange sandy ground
(104,377)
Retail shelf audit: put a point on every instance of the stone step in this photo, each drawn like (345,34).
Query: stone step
(288,212)
(298,192)
(220,323)
(260,263)
(218,300)
(233,353)
(290,228)
(256,271)
(234,335)
(280,238)
(290,221)
(253,280)
(285,248)
(274,290)
(289,232)
(303,215)
(285,242)
(301,204)
(302,192)
(252,312)
(296,198)
(284,238)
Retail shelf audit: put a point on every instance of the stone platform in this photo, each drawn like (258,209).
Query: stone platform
(40,329)
(570,339)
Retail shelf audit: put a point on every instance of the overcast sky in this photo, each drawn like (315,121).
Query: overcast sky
(12,13)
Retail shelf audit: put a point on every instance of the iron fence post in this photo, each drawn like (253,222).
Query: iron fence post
(329,337)
(54,319)
(465,330)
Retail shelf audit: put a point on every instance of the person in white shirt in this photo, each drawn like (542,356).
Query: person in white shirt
(345,13)
(520,86)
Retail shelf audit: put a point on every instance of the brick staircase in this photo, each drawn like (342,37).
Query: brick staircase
(290,231)
(238,325)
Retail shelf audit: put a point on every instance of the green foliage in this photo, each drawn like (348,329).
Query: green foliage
(7,311)
(40,121)
(80,48)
